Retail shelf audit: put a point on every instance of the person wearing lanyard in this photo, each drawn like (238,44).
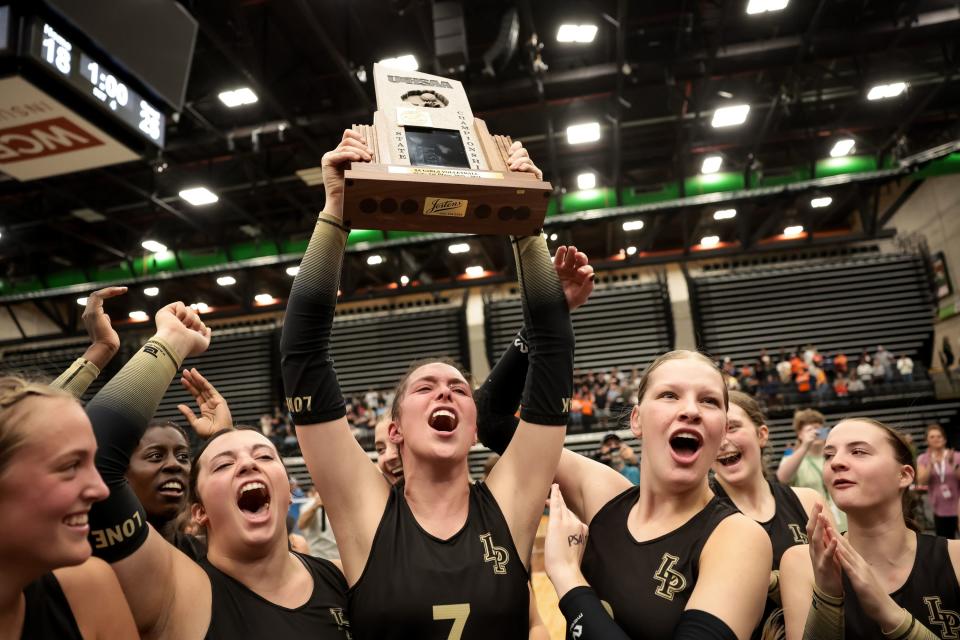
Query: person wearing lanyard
(937,468)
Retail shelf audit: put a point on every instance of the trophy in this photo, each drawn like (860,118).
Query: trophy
(435,167)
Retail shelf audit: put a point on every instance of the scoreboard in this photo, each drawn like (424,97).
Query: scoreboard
(67,103)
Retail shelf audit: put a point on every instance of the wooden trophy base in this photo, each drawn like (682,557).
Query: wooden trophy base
(405,198)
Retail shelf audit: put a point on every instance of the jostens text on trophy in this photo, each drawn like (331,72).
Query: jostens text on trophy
(435,167)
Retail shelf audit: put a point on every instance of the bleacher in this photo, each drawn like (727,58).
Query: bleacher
(372,350)
(840,305)
(624,325)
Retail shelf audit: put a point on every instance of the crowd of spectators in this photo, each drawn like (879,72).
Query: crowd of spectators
(811,377)
(802,376)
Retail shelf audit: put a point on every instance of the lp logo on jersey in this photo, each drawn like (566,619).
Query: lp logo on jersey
(799,535)
(671,581)
(946,619)
(497,555)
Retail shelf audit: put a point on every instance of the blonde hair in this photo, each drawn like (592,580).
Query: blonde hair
(681,354)
(13,390)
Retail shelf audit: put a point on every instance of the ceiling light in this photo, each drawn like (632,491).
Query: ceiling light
(237,97)
(199,196)
(883,91)
(459,247)
(474,271)
(631,251)
(82,302)
(553,237)
(842,147)
(581,133)
(725,214)
(581,33)
(88,215)
(293,271)
(709,241)
(730,116)
(374,260)
(633,225)
(226,281)
(819,203)
(153,246)
(403,63)
(711,164)
(139,316)
(586,181)
(151,291)
(264,298)
(404,280)
(763,6)
(793,230)
(200,307)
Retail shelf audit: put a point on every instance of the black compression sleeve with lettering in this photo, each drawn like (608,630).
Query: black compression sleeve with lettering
(119,414)
(546,316)
(498,398)
(309,379)
(700,625)
(586,618)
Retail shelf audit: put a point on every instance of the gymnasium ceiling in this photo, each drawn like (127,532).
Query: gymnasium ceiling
(653,77)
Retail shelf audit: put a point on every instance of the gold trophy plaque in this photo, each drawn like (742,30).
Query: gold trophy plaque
(435,167)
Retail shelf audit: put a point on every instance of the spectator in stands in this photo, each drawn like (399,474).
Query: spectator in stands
(840,364)
(855,387)
(939,469)
(805,384)
(587,406)
(796,364)
(905,367)
(266,425)
(804,466)
(822,387)
(316,528)
(620,457)
(865,370)
(784,369)
(764,364)
(885,359)
(880,371)
(840,386)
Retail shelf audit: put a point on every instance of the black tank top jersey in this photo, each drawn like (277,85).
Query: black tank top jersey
(472,585)
(47,614)
(931,594)
(647,584)
(788,525)
(238,612)
(786,528)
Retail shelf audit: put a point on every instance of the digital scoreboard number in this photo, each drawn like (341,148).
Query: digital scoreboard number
(96,81)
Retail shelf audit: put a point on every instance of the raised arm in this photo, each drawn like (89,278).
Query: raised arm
(789,464)
(353,490)
(587,484)
(151,572)
(104,344)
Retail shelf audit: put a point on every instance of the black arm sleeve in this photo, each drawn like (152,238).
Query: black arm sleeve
(312,392)
(700,625)
(546,316)
(586,618)
(498,398)
(119,414)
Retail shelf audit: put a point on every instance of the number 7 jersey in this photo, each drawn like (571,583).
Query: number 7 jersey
(470,586)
